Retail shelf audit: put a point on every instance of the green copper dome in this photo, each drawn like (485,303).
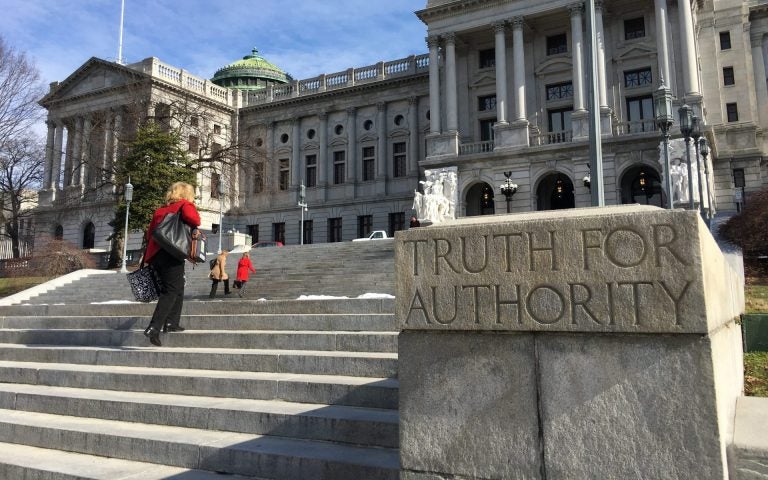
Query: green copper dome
(253,72)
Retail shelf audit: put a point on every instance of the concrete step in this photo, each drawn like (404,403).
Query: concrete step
(209,450)
(276,339)
(332,423)
(22,462)
(357,364)
(290,321)
(320,389)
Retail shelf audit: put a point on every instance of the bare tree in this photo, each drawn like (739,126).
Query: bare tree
(21,160)
(20,89)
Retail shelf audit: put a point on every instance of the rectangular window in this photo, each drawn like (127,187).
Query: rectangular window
(732,112)
(640,113)
(308,225)
(163,116)
(398,159)
(194,144)
(728,76)
(284,174)
(560,125)
(278,232)
(215,185)
(487,58)
(216,128)
(725,40)
(334,229)
(339,162)
(557,44)
(215,150)
(560,91)
(634,28)
(194,121)
(364,225)
(258,177)
(638,78)
(738,178)
(486,103)
(396,222)
(369,163)
(486,129)
(253,231)
(311,161)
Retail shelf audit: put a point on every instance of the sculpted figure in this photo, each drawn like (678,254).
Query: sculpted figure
(679,174)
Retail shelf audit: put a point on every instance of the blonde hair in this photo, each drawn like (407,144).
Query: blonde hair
(180,191)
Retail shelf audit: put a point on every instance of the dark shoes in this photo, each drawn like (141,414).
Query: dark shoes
(173,328)
(154,336)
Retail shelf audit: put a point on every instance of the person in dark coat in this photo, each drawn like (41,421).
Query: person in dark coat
(244,269)
(167,314)
(414,222)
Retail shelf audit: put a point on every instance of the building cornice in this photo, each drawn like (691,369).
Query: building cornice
(455,8)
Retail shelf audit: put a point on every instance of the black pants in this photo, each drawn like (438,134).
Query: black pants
(215,286)
(168,309)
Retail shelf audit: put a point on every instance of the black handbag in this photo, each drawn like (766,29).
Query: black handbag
(145,283)
(174,236)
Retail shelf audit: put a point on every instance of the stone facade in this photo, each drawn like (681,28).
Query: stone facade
(502,89)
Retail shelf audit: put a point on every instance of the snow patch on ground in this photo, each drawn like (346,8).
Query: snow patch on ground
(331,297)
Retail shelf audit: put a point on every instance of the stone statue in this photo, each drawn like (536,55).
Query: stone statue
(679,174)
(438,202)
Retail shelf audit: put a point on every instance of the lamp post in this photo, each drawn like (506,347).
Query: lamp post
(128,197)
(303,206)
(587,180)
(508,189)
(696,135)
(686,119)
(663,99)
(704,149)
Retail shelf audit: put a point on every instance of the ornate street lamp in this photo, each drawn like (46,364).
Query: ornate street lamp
(128,197)
(587,180)
(508,189)
(704,149)
(696,135)
(302,204)
(664,120)
(686,126)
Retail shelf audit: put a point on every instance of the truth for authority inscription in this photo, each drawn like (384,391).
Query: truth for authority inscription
(633,273)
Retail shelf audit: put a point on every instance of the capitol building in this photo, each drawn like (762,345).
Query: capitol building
(500,95)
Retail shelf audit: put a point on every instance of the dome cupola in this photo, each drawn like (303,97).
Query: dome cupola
(253,72)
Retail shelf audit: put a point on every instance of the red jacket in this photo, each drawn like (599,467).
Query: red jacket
(243,266)
(188,214)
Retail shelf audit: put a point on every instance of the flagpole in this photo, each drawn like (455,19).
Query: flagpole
(120,41)
(595,136)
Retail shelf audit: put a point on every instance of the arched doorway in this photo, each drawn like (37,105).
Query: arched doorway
(642,185)
(480,200)
(555,192)
(58,233)
(89,235)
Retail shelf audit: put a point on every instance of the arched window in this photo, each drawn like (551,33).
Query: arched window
(58,233)
(555,192)
(642,185)
(480,200)
(89,235)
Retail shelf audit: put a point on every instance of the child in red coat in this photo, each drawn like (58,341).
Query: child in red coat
(244,267)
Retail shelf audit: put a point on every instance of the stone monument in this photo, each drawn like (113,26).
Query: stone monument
(585,344)
(438,202)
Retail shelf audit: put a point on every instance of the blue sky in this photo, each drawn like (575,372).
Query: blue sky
(304,37)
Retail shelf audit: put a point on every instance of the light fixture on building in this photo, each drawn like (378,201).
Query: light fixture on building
(508,189)
(559,187)
(642,180)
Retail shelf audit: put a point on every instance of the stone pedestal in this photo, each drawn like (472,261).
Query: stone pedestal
(592,343)
(511,135)
(443,144)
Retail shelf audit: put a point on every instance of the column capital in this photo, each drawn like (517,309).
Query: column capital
(499,26)
(449,38)
(322,115)
(433,41)
(576,9)
(598,6)
(381,106)
(413,100)
(351,110)
(51,123)
(517,22)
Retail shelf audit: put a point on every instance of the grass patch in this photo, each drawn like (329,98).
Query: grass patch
(756,374)
(756,298)
(9,286)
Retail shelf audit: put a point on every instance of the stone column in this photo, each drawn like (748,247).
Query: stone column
(381,153)
(351,169)
(501,72)
(662,43)
(69,151)
(80,163)
(758,66)
(434,85)
(600,55)
(413,133)
(688,48)
(578,56)
(322,154)
(49,149)
(518,55)
(117,133)
(296,177)
(272,166)
(57,153)
(452,120)
(77,153)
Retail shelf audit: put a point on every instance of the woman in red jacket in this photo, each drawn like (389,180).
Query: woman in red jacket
(167,314)
(244,266)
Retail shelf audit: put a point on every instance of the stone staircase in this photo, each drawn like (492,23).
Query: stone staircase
(276,389)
